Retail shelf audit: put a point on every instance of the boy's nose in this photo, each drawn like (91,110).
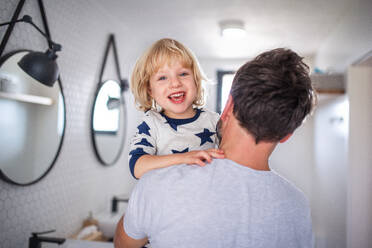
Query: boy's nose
(175,82)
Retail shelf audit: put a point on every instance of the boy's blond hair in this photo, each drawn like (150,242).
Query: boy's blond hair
(161,52)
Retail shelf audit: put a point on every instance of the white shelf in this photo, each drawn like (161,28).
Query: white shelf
(27,98)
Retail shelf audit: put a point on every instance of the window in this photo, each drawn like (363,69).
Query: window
(224,79)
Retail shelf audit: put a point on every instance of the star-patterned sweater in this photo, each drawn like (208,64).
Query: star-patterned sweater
(158,134)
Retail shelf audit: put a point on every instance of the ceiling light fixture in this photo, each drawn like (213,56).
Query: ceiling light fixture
(232,28)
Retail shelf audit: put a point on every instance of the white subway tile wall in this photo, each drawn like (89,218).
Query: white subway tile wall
(78,183)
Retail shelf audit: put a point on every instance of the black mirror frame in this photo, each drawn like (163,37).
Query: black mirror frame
(3,58)
(2,175)
(123,86)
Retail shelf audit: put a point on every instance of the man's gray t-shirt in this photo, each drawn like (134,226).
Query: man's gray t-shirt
(223,204)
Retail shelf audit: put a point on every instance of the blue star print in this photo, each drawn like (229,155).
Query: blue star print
(144,142)
(138,150)
(205,136)
(186,150)
(144,128)
(135,155)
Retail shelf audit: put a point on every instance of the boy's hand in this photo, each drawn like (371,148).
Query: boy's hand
(202,156)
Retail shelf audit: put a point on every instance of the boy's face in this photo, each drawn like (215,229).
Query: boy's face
(174,89)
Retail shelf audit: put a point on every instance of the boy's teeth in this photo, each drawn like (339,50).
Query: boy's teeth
(177,95)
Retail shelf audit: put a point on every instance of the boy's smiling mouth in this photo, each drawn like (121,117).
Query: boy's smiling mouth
(177,97)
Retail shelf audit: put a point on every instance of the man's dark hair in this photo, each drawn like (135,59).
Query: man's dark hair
(272,94)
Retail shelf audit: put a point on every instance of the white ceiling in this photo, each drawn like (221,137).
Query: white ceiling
(297,24)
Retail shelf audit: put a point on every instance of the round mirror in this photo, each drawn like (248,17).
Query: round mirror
(32,123)
(108,122)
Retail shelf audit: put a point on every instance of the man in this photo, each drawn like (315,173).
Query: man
(237,201)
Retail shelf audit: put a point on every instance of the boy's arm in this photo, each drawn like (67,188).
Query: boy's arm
(148,162)
(142,143)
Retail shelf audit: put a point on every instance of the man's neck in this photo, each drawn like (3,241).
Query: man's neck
(255,157)
(240,147)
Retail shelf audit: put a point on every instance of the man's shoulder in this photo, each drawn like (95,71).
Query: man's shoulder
(168,174)
(289,191)
(179,177)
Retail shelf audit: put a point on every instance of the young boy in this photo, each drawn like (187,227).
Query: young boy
(166,84)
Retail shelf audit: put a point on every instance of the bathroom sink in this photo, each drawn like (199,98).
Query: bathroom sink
(72,243)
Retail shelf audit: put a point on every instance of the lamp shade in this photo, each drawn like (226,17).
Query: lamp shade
(41,66)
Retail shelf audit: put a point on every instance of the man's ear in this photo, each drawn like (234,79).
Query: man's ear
(228,108)
(285,138)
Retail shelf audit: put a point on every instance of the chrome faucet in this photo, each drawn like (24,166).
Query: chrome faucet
(35,240)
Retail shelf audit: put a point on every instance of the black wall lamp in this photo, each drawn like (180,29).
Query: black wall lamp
(40,66)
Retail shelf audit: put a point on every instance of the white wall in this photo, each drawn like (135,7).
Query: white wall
(359,228)
(294,159)
(329,191)
(349,40)
(346,44)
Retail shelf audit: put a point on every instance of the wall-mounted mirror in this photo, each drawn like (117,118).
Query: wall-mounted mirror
(108,122)
(32,123)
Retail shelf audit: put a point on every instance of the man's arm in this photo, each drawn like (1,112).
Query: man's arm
(122,240)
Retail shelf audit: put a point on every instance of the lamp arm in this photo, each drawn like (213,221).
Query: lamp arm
(28,19)
(8,23)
